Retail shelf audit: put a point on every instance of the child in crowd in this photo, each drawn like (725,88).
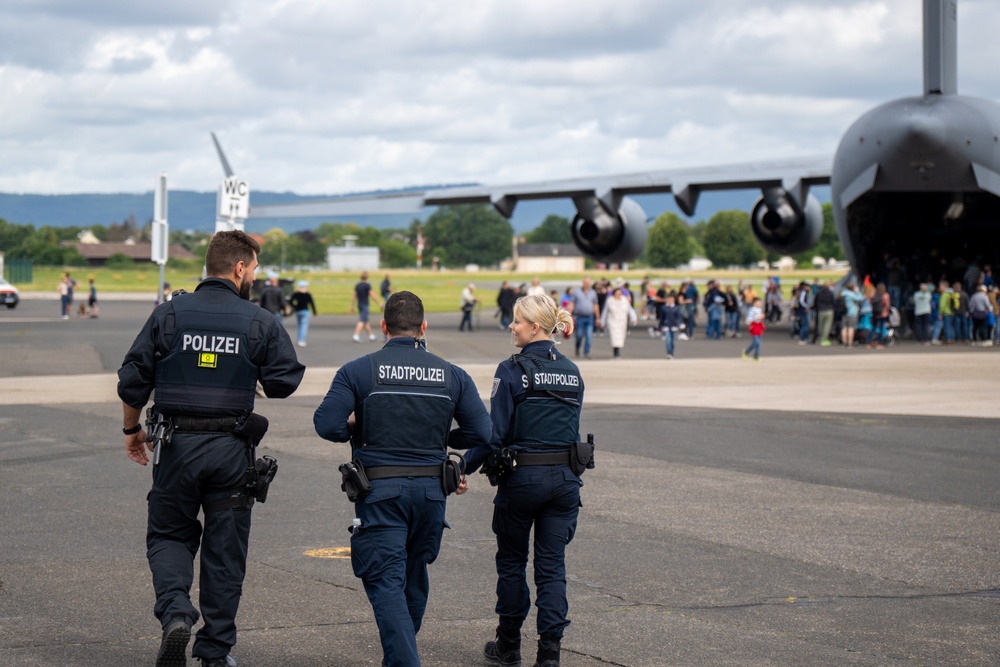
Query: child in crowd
(671,321)
(755,327)
(865,324)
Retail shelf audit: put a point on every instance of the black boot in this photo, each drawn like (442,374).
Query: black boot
(548,653)
(173,647)
(506,650)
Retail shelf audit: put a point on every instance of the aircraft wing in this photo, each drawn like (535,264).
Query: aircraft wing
(609,225)
(685,184)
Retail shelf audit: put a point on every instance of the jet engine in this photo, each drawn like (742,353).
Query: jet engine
(609,233)
(780,225)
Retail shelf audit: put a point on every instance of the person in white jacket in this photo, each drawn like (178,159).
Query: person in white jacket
(618,314)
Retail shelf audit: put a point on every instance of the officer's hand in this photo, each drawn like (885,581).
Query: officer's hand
(136,446)
(463,486)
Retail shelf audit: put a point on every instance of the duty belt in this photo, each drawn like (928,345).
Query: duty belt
(542,459)
(385,472)
(204,424)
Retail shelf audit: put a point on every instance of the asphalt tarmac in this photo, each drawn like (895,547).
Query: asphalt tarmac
(824,506)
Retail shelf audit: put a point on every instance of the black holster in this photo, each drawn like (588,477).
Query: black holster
(253,427)
(581,456)
(451,473)
(353,481)
(159,430)
(264,468)
(499,464)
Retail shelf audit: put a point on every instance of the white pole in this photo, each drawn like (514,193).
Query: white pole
(161,231)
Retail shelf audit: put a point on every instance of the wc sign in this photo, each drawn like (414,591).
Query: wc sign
(234,198)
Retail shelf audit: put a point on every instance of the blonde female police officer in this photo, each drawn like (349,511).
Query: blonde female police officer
(535,409)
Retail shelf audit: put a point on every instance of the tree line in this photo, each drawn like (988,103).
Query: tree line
(453,236)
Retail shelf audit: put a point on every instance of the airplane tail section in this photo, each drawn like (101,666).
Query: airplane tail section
(940,47)
(222,157)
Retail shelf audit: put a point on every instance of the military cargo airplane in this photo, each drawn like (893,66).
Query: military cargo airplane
(916,178)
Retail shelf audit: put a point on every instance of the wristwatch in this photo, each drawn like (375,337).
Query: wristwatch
(132,431)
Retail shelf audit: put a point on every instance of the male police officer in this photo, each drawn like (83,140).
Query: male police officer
(203,353)
(396,406)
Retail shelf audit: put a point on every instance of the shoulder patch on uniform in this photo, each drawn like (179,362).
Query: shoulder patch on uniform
(496,385)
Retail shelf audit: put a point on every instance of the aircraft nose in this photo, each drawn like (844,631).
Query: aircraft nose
(926,134)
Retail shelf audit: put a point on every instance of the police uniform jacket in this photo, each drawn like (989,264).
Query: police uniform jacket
(217,338)
(402,366)
(510,389)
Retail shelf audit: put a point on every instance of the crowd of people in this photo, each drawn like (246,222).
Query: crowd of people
(613,308)
(876,314)
(869,314)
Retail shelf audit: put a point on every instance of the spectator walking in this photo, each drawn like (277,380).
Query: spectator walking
(536,289)
(979,312)
(302,302)
(826,301)
(565,299)
(616,317)
(93,309)
(65,288)
(691,298)
(583,305)
(880,315)
(853,298)
(945,317)
(505,304)
(272,297)
(755,327)
(647,303)
(362,298)
(803,304)
(469,302)
(732,307)
(385,288)
(774,302)
(670,322)
(864,332)
(963,325)
(922,314)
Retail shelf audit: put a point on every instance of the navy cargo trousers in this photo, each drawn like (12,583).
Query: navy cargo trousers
(402,521)
(547,497)
(197,468)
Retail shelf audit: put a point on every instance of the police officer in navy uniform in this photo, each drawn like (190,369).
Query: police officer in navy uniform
(203,354)
(396,407)
(535,407)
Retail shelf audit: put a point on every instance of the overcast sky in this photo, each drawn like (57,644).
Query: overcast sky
(327,97)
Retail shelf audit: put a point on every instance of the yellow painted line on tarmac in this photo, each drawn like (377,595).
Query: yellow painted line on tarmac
(331,552)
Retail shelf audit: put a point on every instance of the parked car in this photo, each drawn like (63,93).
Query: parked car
(8,294)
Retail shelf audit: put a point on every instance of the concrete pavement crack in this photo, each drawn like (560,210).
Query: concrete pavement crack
(299,576)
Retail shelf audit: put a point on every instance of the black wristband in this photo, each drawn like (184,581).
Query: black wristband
(132,431)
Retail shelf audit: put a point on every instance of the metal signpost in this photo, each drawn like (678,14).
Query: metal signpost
(161,231)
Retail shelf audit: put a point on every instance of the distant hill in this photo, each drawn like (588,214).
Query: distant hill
(188,209)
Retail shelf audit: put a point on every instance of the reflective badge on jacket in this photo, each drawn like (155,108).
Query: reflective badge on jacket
(209,347)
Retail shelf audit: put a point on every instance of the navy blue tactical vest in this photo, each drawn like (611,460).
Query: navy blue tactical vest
(549,414)
(208,371)
(409,408)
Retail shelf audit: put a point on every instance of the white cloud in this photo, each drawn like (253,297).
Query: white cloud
(335,97)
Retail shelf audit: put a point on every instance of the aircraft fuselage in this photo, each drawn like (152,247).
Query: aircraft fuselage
(919,179)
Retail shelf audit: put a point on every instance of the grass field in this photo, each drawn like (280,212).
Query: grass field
(440,290)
